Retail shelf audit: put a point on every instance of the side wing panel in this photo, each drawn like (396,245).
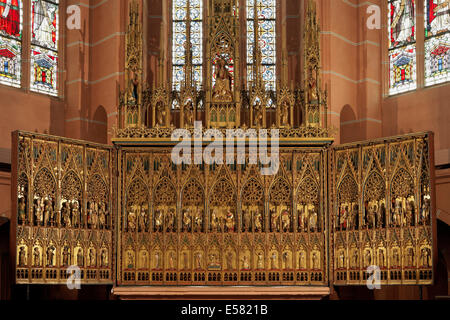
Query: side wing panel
(382,211)
(62,210)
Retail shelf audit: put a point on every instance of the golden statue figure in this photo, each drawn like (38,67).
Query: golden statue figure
(273,261)
(103,258)
(198,220)
(315,260)
(426,257)
(285,220)
(396,258)
(188,114)
(198,260)
(92,258)
(222,87)
(312,87)
(229,261)
(355,258)
(229,220)
(133,87)
(260,261)
(22,257)
(157,260)
(274,221)
(158,220)
(102,216)
(131,220)
(160,115)
(22,211)
(66,256)
(302,260)
(245,263)
(80,258)
(381,258)
(214,220)
(341,262)
(38,211)
(171,220)
(144,259)
(258,221)
(75,214)
(367,258)
(247,218)
(36,257)
(258,114)
(284,114)
(187,220)
(172,260)
(50,255)
(286,261)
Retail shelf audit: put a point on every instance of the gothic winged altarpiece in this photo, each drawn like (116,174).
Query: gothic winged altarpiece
(128,215)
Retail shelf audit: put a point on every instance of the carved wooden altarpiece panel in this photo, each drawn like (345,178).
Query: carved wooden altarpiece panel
(63,210)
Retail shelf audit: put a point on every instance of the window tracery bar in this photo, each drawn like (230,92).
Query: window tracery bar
(179,29)
(267,27)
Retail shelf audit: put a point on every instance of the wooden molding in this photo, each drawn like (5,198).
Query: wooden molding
(221,293)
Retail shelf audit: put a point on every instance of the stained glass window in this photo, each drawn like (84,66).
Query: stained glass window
(179,20)
(402,46)
(267,13)
(437,41)
(44,46)
(10,41)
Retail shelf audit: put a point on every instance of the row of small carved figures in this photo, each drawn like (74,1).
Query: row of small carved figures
(374,216)
(66,257)
(70,215)
(214,262)
(220,221)
(409,258)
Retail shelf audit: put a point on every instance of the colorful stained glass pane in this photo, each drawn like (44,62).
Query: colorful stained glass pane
(437,41)
(402,46)
(437,17)
(402,19)
(402,73)
(179,29)
(437,60)
(44,70)
(11,21)
(44,21)
(266,10)
(44,46)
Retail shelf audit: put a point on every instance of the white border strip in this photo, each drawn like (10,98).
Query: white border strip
(351,80)
(361,120)
(95,81)
(86,120)
(113,35)
(356,44)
